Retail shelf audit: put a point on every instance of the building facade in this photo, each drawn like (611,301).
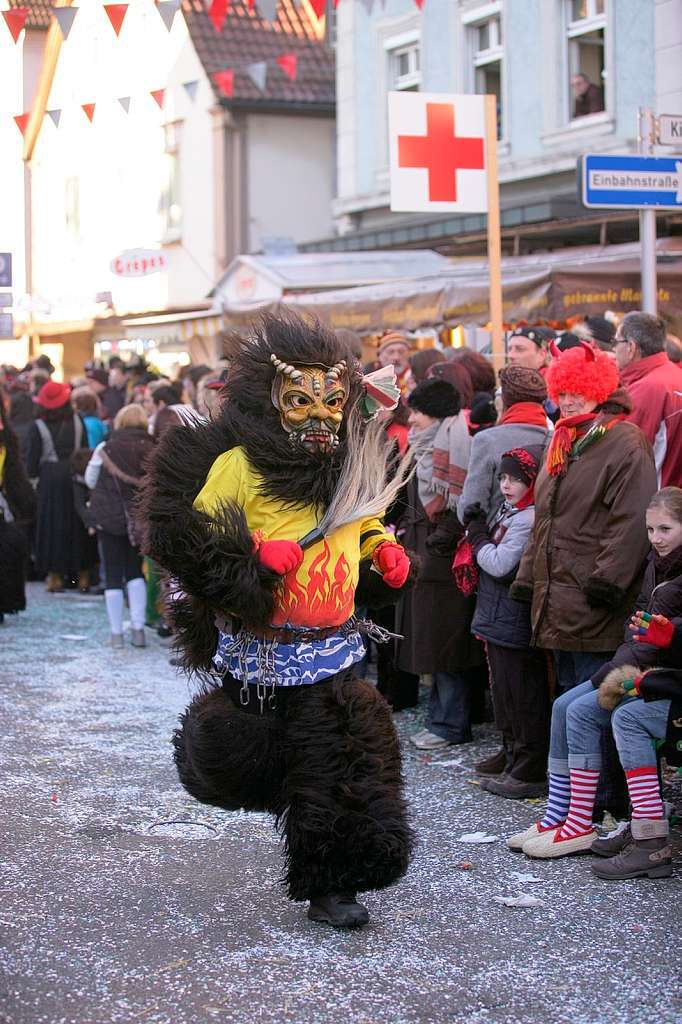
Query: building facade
(569,76)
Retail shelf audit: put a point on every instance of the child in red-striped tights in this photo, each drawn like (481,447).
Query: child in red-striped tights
(579,715)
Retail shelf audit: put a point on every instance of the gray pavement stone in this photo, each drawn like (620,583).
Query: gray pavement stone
(122,900)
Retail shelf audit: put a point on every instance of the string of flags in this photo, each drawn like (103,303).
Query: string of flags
(157,95)
(217,10)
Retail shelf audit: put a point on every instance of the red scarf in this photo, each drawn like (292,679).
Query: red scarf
(566,433)
(525,412)
(528,499)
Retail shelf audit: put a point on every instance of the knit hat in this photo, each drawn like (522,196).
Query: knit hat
(53,395)
(522,463)
(582,371)
(521,384)
(436,398)
(540,335)
(566,340)
(101,376)
(394,338)
(600,329)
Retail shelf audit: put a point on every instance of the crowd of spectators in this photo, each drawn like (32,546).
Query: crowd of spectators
(545,514)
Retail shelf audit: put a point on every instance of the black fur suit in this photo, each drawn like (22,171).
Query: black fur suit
(326,759)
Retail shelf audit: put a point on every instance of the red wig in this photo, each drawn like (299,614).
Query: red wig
(582,371)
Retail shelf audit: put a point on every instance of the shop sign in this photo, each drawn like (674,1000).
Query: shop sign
(139,262)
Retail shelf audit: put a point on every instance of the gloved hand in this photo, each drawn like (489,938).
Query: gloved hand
(392,562)
(652,629)
(477,532)
(281,556)
(471,512)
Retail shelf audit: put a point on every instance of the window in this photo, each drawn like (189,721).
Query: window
(170,206)
(72,214)
(585,33)
(488,53)
(404,67)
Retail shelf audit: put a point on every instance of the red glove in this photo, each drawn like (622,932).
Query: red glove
(652,629)
(282,556)
(392,562)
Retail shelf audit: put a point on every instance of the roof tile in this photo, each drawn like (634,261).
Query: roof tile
(245,38)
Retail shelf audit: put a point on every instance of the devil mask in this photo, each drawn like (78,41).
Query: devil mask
(311,401)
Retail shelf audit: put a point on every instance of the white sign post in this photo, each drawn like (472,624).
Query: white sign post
(443,159)
(670,130)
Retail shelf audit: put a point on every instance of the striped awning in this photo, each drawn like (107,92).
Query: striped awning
(176,329)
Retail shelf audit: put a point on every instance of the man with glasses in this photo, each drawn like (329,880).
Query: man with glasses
(655,386)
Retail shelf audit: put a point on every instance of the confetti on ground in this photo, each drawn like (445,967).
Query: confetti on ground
(524,900)
(478,837)
(525,879)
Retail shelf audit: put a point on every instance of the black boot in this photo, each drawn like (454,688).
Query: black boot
(648,856)
(338,911)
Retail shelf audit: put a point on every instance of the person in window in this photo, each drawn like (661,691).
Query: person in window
(588,97)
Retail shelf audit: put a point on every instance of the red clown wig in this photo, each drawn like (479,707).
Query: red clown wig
(582,371)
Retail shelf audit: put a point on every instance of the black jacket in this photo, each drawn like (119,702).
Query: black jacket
(666,684)
(659,596)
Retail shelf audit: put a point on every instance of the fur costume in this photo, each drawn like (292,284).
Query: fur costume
(290,729)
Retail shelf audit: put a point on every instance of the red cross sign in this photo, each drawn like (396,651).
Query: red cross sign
(437,149)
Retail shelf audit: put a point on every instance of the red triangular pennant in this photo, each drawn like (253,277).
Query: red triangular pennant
(116,13)
(15,20)
(217,12)
(225,81)
(21,121)
(89,110)
(158,95)
(319,7)
(288,64)
(419,3)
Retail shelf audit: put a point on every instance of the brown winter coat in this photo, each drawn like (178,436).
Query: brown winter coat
(585,558)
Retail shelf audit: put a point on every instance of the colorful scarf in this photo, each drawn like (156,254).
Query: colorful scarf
(573,435)
(451,451)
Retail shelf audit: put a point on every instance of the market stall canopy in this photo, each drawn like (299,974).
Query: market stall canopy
(551,286)
(251,282)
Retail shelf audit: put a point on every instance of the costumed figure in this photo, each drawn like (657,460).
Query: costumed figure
(267,517)
(17,509)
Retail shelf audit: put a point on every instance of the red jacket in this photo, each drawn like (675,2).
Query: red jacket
(655,386)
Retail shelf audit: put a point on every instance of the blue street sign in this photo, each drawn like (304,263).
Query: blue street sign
(632,181)
(5,269)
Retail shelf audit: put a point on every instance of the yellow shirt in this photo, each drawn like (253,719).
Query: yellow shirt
(321,592)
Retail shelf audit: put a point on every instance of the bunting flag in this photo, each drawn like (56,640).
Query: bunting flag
(158,95)
(15,20)
(419,3)
(89,110)
(267,9)
(288,64)
(65,17)
(191,89)
(258,73)
(319,7)
(125,103)
(21,121)
(225,81)
(217,12)
(116,13)
(54,115)
(167,9)
(368,5)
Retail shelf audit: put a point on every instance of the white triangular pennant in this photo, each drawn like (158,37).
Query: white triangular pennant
(191,89)
(55,115)
(267,9)
(258,73)
(65,17)
(125,103)
(167,9)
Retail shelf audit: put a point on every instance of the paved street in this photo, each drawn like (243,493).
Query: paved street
(125,901)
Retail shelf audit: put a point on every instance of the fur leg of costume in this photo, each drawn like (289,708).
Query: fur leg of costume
(345,824)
